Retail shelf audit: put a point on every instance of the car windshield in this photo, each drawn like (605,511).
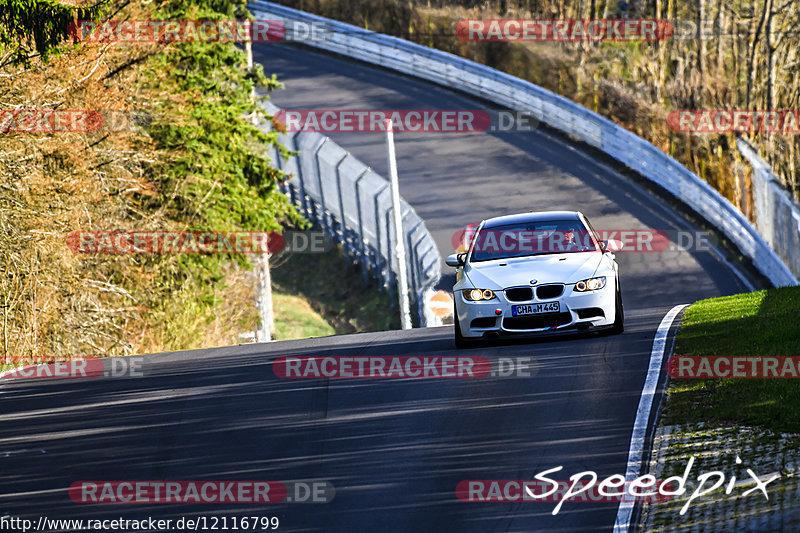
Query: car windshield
(532,238)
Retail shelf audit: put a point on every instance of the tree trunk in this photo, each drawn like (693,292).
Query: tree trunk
(753,52)
(721,23)
(606,9)
(665,47)
(701,41)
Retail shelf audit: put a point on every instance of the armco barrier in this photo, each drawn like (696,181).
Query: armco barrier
(556,111)
(354,205)
(777,213)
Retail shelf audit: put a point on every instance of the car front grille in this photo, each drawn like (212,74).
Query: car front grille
(537,322)
(519,294)
(544,292)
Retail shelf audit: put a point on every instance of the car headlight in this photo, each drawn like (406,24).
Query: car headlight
(476,295)
(591,284)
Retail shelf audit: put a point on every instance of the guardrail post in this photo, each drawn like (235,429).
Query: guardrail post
(322,216)
(360,234)
(343,219)
(385,278)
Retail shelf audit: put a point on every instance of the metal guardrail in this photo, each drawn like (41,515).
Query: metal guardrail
(556,111)
(353,204)
(777,213)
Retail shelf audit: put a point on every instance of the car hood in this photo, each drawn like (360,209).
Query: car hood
(551,268)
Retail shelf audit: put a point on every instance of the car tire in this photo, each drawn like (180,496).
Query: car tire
(619,314)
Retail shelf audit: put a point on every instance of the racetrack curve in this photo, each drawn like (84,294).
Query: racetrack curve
(394,449)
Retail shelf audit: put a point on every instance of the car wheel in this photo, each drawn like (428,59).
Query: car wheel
(619,314)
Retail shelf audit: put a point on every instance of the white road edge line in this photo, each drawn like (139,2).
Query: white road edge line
(625,511)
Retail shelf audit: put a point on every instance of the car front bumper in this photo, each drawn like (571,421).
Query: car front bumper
(580,311)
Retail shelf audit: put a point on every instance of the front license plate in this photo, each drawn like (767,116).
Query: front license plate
(536,309)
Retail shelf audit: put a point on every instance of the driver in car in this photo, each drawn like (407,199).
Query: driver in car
(568,240)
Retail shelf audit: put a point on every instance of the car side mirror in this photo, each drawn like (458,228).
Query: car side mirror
(611,245)
(456,260)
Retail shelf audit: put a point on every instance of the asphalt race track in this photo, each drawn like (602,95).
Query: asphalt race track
(394,449)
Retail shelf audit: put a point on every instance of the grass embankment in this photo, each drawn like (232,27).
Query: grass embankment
(763,323)
(324,294)
(313,295)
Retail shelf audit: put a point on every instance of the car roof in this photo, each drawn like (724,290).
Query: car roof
(534,216)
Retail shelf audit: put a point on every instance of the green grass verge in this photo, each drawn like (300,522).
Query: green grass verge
(296,319)
(763,323)
(338,300)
